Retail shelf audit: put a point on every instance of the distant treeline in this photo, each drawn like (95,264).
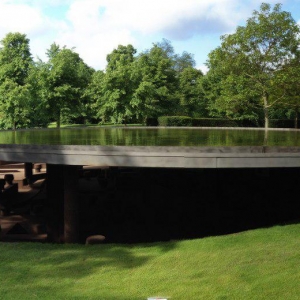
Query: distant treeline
(253,80)
(184,121)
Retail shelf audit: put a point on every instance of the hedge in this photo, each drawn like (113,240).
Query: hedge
(214,122)
(195,122)
(151,122)
(210,122)
(278,123)
(175,121)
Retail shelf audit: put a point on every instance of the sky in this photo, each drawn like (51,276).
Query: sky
(95,27)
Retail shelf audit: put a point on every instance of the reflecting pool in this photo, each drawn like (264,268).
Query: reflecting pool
(131,136)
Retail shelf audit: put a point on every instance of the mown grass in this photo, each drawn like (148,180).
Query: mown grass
(258,264)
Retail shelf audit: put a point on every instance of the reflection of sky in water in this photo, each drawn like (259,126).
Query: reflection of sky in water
(150,137)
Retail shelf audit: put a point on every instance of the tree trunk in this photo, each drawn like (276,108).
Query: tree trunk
(266,137)
(58,120)
(296,117)
(266,110)
(14,125)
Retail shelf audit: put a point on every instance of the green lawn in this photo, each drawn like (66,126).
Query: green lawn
(258,264)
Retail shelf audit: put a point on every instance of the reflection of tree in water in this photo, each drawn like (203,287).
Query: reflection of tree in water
(152,137)
(287,138)
(266,137)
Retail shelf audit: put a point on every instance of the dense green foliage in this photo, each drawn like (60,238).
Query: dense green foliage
(199,122)
(253,75)
(220,122)
(257,264)
(15,62)
(214,122)
(253,62)
(62,82)
(174,121)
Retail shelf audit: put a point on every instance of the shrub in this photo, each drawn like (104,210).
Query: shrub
(214,122)
(250,123)
(175,121)
(211,122)
(151,122)
(279,123)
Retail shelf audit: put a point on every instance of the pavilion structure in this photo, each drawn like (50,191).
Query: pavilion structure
(64,161)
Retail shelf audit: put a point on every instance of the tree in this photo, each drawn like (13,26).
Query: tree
(250,59)
(93,93)
(184,61)
(40,115)
(117,86)
(289,82)
(53,51)
(136,87)
(14,109)
(157,82)
(15,60)
(191,95)
(62,82)
(211,88)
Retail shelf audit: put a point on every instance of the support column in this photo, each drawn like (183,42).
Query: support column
(55,203)
(28,172)
(62,207)
(71,205)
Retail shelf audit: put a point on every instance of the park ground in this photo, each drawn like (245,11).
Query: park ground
(256,264)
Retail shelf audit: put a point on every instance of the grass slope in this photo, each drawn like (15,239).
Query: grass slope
(258,264)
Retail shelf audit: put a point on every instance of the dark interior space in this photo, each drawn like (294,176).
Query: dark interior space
(138,205)
(131,205)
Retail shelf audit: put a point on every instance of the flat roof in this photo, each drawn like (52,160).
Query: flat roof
(155,156)
(154,147)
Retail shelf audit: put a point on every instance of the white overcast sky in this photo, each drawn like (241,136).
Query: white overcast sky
(96,27)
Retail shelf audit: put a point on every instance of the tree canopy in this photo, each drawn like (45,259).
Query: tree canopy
(62,82)
(253,76)
(116,86)
(15,61)
(135,87)
(250,60)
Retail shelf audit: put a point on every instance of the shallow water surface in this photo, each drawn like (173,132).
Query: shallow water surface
(130,136)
